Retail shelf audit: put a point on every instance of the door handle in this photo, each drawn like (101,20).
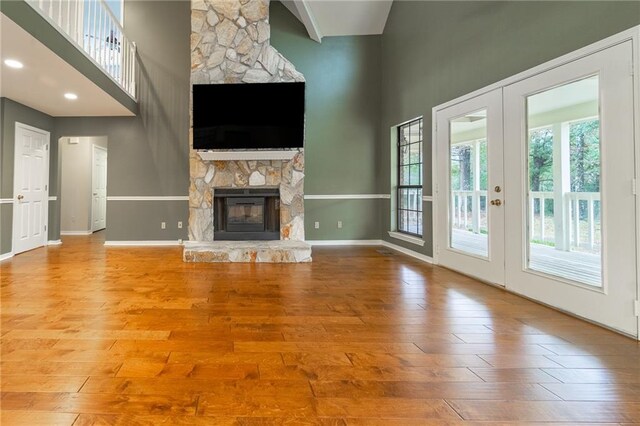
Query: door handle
(496,203)
(20,197)
(95,193)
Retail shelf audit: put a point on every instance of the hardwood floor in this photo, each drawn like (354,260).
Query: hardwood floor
(95,335)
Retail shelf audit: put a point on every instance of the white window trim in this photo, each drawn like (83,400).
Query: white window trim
(408,238)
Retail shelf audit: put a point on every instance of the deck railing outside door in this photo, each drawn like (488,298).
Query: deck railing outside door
(467,208)
(575,204)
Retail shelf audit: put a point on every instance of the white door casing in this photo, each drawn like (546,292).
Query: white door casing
(98,188)
(30,188)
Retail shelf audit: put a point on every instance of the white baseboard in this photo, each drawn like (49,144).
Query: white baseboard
(143,243)
(54,242)
(6,256)
(345,242)
(382,243)
(408,252)
(76,232)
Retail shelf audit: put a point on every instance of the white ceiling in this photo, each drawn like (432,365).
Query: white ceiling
(324,18)
(46,77)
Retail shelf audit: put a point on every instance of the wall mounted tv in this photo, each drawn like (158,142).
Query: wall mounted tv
(248,116)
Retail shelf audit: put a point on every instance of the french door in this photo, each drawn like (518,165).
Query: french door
(588,265)
(470,187)
(566,211)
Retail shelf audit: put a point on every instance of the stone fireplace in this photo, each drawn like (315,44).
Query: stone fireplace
(230,45)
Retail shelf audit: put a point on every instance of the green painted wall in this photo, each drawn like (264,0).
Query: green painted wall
(342,132)
(433,52)
(360,219)
(12,112)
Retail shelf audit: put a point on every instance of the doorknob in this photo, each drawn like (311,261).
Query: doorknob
(496,202)
(20,197)
(497,188)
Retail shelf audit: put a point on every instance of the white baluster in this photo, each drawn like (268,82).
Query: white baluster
(591,221)
(542,199)
(576,213)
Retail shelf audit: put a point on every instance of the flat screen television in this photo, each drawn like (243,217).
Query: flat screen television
(248,116)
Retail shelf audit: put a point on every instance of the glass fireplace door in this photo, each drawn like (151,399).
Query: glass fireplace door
(245,214)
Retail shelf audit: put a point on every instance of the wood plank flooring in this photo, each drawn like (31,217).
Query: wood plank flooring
(134,336)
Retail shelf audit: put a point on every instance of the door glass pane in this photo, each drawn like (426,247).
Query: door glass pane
(468,220)
(564,216)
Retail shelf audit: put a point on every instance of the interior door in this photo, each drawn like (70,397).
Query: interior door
(469,193)
(570,204)
(30,188)
(99,189)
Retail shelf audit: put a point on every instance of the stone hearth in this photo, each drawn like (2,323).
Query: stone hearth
(247,251)
(230,45)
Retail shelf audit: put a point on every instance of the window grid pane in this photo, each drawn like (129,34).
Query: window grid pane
(409,196)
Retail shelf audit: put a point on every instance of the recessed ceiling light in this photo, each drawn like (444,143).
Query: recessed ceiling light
(71,96)
(13,63)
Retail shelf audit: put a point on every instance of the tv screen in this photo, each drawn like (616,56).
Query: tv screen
(248,116)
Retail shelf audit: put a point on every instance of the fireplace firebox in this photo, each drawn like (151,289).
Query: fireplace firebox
(246,214)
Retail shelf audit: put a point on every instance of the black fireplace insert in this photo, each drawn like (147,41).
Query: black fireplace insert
(246,214)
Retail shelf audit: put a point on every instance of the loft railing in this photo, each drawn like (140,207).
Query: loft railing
(95,31)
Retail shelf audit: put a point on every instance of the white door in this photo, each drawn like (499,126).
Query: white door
(99,189)
(30,188)
(469,193)
(569,202)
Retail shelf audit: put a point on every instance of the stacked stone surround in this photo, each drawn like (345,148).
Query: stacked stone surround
(230,45)
(206,176)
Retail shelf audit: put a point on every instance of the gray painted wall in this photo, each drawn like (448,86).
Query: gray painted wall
(342,132)
(433,52)
(148,154)
(13,112)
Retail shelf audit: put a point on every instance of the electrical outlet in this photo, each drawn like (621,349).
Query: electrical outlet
(339,224)
(180,224)
(163,225)
(316,225)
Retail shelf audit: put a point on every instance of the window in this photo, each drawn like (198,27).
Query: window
(410,178)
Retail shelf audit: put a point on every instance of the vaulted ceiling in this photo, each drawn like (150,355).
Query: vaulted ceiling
(324,18)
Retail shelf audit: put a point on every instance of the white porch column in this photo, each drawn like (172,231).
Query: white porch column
(475,199)
(561,186)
